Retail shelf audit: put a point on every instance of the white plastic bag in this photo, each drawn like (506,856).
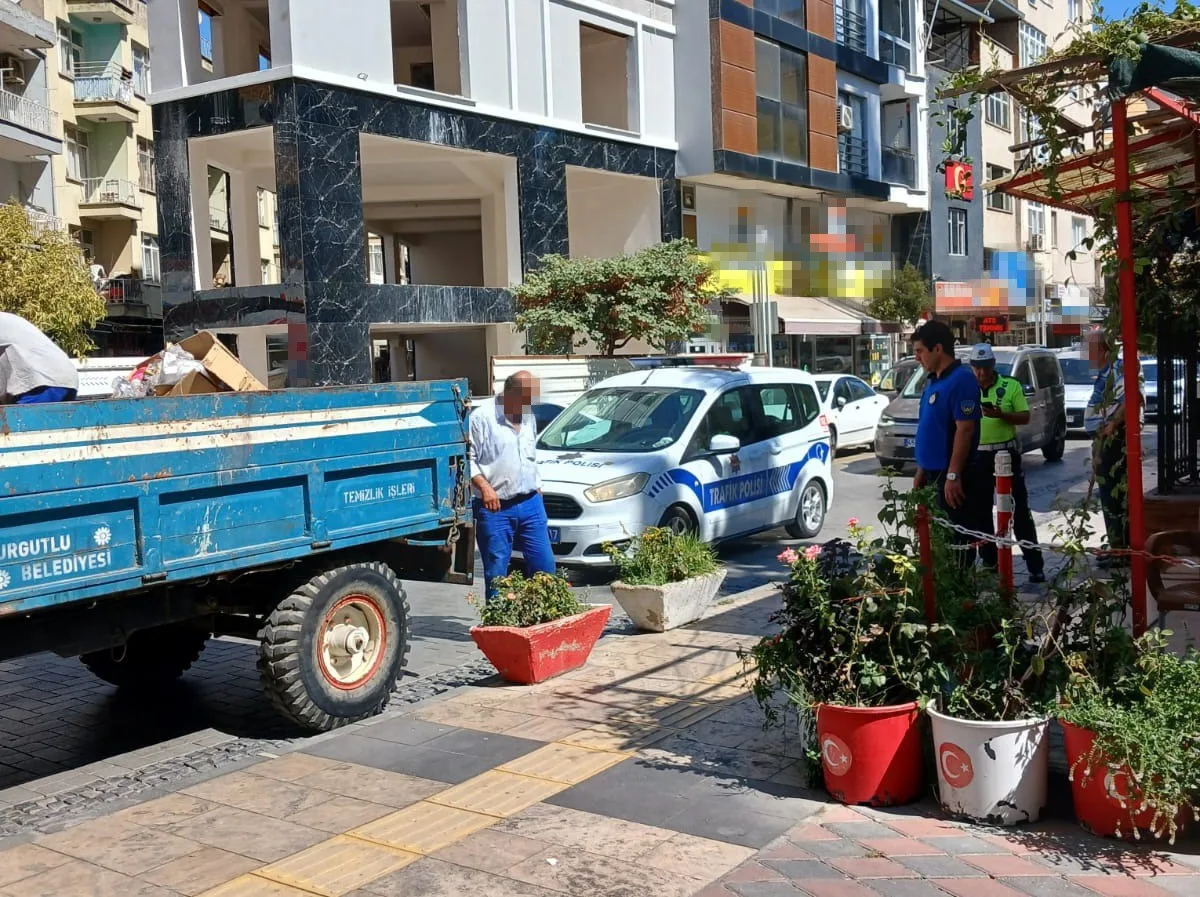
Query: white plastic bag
(174,365)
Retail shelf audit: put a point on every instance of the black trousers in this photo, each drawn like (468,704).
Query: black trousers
(1023,526)
(966,515)
(1112,482)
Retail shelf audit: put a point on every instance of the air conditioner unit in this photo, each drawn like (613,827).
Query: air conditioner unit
(1037,242)
(845,117)
(13,68)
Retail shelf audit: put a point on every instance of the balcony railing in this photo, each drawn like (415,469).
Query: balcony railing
(122,291)
(28,114)
(102,82)
(141,15)
(43,221)
(218,217)
(105,191)
(852,155)
(850,26)
(899,167)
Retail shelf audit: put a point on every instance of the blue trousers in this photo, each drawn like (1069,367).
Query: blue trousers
(521,524)
(46,394)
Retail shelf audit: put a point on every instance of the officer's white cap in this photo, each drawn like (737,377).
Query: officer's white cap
(982,354)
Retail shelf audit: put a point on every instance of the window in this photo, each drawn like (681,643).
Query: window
(958,231)
(604,63)
(859,390)
(421,74)
(265,270)
(70,49)
(624,419)
(1024,375)
(956,133)
(151,265)
(810,408)
(1032,45)
(1078,232)
(841,392)
(989,258)
(996,200)
(788,10)
(997,110)
(1047,370)
(375,260)
(895,33)
(1053,229)
(141,71)
(781,83)
(77,153)
(264,59)
(1035,217)
(729,416)
(781,411)
(263,220)
(145,165)
(206,32)
(1074,10)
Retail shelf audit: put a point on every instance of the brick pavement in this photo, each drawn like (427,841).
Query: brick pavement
(643,774)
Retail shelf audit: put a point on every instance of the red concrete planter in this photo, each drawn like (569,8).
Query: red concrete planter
(538,653)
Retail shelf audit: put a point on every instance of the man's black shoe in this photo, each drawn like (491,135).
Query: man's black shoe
(1037,577)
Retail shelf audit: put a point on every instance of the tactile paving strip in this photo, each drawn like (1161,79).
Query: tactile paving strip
(424,827)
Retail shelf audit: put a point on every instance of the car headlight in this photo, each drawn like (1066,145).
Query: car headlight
(621,487)
(886,420)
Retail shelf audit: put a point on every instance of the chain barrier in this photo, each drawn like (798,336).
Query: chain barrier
(1009,542)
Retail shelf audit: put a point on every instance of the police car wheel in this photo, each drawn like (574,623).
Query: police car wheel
(833,446)
(679,521)
(331,652)
(810,512)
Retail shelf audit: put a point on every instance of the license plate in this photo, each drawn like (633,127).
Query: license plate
(910,443)
(555,535)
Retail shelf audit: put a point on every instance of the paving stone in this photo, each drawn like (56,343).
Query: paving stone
(197,872)
(899,847)
(976,887)
(246,833)
(871,867)
(1005,865)
(859,830)
(963,844)
(120,845)
(407,729)
(1052,886)
(940,867)
(1179,885)
(490,850)
(836,847)
(79,878)
(604,835)
(700,858)
(579,872)
(26,860)
(435,878)
(796,870)
(1120,886)
(754,870)
(907,887)
(766,889)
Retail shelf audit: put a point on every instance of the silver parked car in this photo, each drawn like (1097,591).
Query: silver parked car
(1034,367)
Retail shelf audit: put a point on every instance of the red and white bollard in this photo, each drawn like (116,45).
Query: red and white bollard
(1004,516)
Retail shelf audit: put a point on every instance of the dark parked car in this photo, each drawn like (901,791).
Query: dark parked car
(896,377)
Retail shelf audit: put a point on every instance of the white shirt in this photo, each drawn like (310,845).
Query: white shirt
(29,359)
(1108,393)
(504,455)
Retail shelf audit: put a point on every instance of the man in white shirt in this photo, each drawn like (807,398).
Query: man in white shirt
(32,368)
(507,485)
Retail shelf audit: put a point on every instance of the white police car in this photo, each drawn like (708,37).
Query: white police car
(719,452)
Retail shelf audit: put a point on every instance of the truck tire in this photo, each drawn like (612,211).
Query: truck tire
(331,652)
(150,658)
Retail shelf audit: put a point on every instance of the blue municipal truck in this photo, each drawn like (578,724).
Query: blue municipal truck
(134,530)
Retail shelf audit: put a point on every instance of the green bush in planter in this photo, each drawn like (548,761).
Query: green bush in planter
(658,556)
(523,602)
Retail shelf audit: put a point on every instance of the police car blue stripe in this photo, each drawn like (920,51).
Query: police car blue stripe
(733,491)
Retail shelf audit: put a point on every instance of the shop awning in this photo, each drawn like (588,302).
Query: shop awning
(821,316)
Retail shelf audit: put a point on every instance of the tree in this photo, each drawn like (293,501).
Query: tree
(906,298)
(658,295)
(44,280)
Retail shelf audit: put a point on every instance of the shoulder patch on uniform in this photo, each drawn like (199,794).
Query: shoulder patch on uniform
(967,406)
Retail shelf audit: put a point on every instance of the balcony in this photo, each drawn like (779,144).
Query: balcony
(104,92)
(105,12)
(110,198)
(43,221)
(850,28)
(852,155)
(899,167)
(27,128)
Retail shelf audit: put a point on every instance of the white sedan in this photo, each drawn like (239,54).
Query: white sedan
(851,407)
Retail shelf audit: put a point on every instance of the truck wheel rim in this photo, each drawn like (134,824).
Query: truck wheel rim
(352,642)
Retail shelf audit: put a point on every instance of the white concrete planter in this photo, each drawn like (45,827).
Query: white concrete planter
(659,608)
(991,771)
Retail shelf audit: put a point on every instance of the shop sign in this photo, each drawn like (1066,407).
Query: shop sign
(992,324)
(960,181)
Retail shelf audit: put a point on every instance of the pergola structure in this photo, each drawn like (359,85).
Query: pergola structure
(1148,157)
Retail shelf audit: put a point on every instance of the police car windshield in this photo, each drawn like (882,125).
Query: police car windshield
(623,419)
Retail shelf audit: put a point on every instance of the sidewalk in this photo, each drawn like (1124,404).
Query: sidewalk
(645,774)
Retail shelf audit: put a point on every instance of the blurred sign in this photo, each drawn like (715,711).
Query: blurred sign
(992,324)
(960,181)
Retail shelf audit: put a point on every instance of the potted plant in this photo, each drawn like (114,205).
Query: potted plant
(536,628)
(665,579)
(854,657)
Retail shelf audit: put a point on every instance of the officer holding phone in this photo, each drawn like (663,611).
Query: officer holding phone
(1004,408)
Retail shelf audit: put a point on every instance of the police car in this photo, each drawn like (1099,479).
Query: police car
(714,451)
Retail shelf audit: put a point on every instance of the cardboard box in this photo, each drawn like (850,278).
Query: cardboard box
(222,366)
(193,384)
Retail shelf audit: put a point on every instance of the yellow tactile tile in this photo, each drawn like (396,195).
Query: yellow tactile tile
(337,866)
(565,763)
(617,736)
(424,827)
(500,794)
(253,886)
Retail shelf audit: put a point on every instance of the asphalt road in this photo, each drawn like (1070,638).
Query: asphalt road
(57,720)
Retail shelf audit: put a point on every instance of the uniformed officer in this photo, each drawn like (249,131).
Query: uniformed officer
(1004,409)
(948,429)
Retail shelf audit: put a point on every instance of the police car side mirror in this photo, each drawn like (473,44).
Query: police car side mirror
(723,444)
(841,401)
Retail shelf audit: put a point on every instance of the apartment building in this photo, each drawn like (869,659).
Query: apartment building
(803,136)
(422,155)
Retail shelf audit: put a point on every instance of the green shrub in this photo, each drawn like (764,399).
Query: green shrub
(523,602)
(658,556)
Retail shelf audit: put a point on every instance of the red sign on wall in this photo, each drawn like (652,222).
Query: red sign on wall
(992,324)
(960,181)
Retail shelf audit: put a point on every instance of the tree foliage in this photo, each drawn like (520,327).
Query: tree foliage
(905,299)
(658,295)
(44,280)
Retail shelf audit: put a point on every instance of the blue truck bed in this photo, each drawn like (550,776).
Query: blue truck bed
(100,498)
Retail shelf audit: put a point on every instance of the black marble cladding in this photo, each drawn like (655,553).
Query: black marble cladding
(319,195)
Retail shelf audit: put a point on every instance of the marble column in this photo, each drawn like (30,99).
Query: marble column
(174,200)
(542,176)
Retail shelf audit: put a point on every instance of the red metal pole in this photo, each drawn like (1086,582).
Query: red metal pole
(1004,515)
(925,542)
(1129,334)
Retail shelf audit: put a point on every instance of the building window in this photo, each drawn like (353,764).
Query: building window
(895,33)
(1078,232)
(264,59)
(1053,229)
(206,32)
(956,133)
(1032,45)
(141,71)
(1035,217)
(788,10)
(151,266)
(996,200)
(1074,10)
(997,110)
(989,258)
(958,231)
(781,85)
(604,65)
(70,49)
(263,219)
(265,271)
(76,142)
(375,259)
(145,165)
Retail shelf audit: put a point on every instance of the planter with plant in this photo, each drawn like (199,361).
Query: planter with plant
(855,658)
(665,579)
(536,628)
